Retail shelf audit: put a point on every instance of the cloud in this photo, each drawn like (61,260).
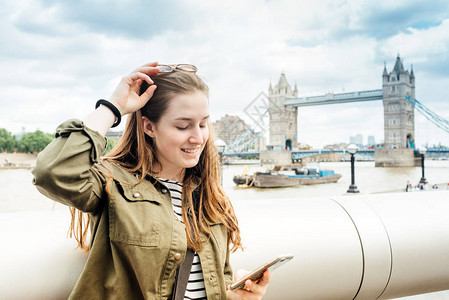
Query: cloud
(126,18)
(427,49)
(383,19)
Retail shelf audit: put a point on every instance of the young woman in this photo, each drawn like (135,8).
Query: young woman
(153,197)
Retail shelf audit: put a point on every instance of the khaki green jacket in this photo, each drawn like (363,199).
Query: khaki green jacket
(137,243)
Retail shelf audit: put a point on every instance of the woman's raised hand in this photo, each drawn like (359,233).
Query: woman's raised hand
(126,95)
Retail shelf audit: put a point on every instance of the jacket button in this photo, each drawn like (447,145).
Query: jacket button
(136,195)
(177,256)
(164,191)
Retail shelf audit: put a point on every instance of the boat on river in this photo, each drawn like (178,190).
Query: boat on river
(287,177)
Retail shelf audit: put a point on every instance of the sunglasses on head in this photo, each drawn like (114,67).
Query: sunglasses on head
(182,67)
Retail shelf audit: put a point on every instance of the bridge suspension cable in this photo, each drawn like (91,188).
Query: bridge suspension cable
(430,115)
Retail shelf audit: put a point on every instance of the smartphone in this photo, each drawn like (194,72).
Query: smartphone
(256,274)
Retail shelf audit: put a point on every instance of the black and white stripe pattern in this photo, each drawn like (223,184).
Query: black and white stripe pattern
(195,287)
(175,189)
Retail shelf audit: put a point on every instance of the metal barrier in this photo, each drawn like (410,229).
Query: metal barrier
(379,246)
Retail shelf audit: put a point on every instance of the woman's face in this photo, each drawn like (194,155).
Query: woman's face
(180,134)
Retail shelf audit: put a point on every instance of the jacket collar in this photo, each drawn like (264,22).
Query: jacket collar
(156,181)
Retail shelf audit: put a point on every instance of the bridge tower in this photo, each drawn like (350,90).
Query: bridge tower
(399,118)
(283,119)
(399,113)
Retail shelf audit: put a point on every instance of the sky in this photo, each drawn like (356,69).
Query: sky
(57,58)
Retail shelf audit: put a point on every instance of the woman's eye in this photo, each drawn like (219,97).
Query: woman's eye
(203,125)
(182,128)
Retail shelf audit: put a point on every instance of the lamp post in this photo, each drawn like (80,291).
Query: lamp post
(221,145)
(423,178)
(352,149)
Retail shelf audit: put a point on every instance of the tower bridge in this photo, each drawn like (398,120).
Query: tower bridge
(282,103)
(397,95)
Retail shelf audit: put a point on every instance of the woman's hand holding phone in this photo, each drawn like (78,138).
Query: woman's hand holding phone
(253,285)
(252,290)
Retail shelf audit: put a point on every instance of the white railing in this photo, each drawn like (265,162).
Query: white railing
(379,246)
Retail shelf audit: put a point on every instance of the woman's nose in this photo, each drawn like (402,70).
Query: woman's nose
(196,136)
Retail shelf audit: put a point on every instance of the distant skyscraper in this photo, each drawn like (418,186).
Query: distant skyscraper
(371,140)
(357,139)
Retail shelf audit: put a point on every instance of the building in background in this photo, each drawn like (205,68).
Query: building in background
(357,140)
(399,113)
(229,128)
(339,146)
(283,118)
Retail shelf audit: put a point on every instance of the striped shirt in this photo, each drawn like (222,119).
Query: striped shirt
(195,286)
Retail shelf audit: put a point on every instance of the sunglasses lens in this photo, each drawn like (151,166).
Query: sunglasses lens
(187,67)
(165,69)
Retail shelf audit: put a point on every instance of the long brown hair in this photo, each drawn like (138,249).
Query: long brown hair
(136,152)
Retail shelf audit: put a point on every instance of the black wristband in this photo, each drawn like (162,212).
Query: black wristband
(112,108)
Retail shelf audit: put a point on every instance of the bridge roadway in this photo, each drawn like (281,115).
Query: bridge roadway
(364,152)
(304,153)
(331,98)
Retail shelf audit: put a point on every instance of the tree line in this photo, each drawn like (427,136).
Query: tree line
(32,142)
(29,143)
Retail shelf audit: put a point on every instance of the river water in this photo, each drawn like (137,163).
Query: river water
(368,179)
(19,194)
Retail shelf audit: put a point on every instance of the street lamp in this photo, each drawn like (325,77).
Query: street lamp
(422,151)
(221,145)
(352,149)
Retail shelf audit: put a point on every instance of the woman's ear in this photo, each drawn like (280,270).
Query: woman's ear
(148,127)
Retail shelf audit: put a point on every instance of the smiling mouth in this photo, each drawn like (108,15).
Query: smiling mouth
(191,151)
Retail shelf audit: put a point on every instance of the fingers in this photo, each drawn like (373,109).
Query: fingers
(148,93)
(249,294)
(239,274)
(149,69)
(265,278)
(138,75)
(151,64)
(144,72)
(253,290)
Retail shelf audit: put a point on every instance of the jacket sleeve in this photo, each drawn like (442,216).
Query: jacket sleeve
(65,170)
(228,275)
